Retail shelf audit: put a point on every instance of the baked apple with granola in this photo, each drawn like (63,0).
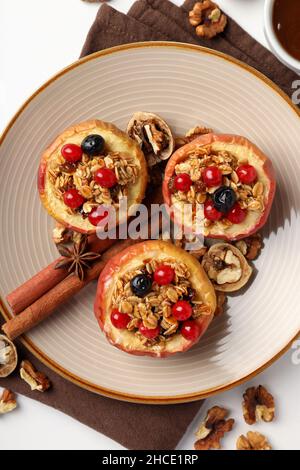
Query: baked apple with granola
(228,183)
(89,167)
(154,299)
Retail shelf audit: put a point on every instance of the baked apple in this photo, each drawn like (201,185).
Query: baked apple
(228,183)
(154,299)
(88,167)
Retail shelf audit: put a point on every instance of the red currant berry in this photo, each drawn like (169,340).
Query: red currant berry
(247,174)
(97,215)
(236,215)
(210,212)
(164,275)
(149,333)
(105,177)
(119,320)
(183,182)
(72,153)
(73,199)
(190,330)
(182,310)
(212,176)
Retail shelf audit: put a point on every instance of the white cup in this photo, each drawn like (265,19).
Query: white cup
(274,42)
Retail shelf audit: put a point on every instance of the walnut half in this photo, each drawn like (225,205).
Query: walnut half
(7,402)
(36,380)
(153,135)
(258,405)
(226,267)
(250,246)
(191,135)
(208,19)
(8,356)
(59,233)
(253,441)
(213,428)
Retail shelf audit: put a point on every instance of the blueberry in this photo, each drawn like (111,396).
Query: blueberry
(224,199)
(93,145)
(141,285)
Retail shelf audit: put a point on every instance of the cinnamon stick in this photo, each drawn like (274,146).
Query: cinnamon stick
(45,280)
(49,277)
(71,285)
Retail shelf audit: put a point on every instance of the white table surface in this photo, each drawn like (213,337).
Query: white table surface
(36,40)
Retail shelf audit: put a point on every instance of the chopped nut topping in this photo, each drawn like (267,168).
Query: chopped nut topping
(192,244)
(197,132)
(250,246)
(8,356)
(191,135)
(253,441)
(242,246)
(7,402)
(213,428)
(60,234)
(36,380)
(180,141)
(208,19)
(153,135)
(258,405)
(199,252)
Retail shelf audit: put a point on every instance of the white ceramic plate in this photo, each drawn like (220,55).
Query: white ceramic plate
(187,85)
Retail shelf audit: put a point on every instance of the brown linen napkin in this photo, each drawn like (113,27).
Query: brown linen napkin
(165,17)
(145,426)
(155,20)
(135,426)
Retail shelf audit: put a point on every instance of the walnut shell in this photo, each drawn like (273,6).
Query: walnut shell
(158,145)
(238,273)
(8,356)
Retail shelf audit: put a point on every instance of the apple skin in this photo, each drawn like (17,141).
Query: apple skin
(85,128)
(242,229)
(106,282)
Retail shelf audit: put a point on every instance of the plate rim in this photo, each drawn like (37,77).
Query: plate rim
(137,398)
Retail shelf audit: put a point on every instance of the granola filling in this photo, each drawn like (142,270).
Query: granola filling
(249,197)
(66,176)
(154,310)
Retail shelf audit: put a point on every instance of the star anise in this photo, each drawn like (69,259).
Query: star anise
(77,259)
